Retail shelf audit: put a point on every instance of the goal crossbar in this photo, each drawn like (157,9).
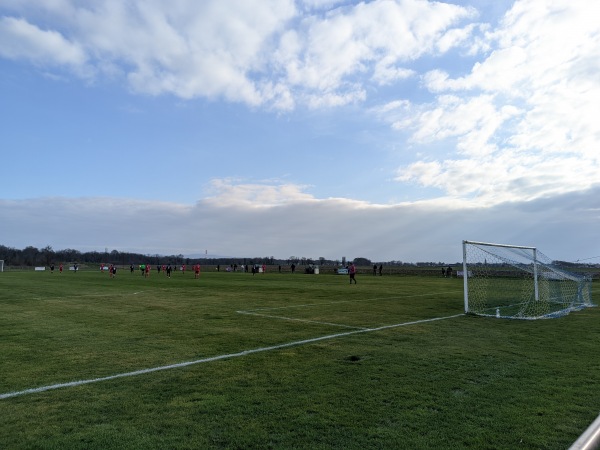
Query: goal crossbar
(491,244)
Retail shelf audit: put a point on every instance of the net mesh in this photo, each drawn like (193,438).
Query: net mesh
(501,282)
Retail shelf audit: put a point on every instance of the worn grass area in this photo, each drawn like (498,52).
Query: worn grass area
(462,382)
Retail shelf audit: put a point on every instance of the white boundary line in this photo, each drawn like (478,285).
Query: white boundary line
(250,313)
(214,358)
(255,312)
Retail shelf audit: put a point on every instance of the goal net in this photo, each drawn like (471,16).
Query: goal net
(519,282)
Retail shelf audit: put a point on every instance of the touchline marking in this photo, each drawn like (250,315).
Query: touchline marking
(250,313)
(214,358)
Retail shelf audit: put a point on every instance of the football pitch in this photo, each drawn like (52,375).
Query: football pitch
(235,360)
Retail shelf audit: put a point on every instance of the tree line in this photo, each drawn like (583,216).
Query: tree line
(32,256)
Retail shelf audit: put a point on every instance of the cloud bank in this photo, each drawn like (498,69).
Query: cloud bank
(302,226)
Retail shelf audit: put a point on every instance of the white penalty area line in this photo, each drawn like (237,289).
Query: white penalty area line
(258,311)
(215,358)
(250,313)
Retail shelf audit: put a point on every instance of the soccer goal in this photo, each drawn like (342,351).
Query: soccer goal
(1,265)
(517,282)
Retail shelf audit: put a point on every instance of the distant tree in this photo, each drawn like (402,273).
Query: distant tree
(93,257)
(115,256)
(8,254)
(72,255)
(362,261)
(47,255)
(30,256)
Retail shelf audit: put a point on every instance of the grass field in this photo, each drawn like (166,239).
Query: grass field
(283,361)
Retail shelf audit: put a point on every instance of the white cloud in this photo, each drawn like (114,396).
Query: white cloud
(455,37)
(386,74)
(20,39)
(274,53)
(520,124)
(371,40)
(232,193)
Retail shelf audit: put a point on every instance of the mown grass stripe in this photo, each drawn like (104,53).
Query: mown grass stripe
(214,358)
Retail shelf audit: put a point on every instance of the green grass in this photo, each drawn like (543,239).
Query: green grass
(463,382)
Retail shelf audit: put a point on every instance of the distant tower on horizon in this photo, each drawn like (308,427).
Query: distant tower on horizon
(343,260)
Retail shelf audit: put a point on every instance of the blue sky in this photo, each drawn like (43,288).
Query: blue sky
(390,130)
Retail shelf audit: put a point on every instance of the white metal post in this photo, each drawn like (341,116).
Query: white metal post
(535,276)
(465,277)
(590,439)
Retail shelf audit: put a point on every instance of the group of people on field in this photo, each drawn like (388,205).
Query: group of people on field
(167,269)
(375,269)
(60,268)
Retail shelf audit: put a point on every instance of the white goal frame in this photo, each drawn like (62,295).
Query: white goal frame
(465,272)
(532,284)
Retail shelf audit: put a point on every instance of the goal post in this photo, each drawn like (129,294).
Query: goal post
(519,282)
(1,265)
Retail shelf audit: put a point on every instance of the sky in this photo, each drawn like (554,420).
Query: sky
(388,129)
